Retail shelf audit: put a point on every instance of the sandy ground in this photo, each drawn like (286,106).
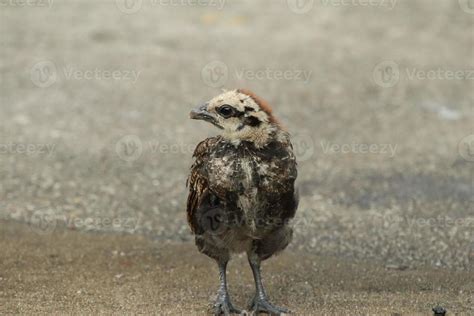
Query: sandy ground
(95,138)
(76,273)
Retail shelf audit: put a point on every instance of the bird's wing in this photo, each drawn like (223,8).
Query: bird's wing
(197,182)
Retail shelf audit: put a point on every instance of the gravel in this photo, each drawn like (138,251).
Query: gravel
(385,174)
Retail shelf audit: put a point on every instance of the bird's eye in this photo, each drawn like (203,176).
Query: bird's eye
(225,111)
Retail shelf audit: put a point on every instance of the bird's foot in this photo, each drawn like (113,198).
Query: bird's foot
(262,305)
(224,306)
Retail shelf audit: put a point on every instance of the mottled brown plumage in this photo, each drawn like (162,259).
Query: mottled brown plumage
(241,188)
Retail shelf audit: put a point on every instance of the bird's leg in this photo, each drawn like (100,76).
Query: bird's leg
(223,304)
(260,301)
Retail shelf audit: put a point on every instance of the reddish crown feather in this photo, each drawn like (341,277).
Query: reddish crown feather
(264,105)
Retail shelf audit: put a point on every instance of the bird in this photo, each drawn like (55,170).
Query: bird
(242,193)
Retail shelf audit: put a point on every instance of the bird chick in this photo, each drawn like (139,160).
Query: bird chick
(241,189)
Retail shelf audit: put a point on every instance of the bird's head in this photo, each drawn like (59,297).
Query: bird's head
(241,115)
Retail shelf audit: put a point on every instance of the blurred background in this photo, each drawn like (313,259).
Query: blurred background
(378,96)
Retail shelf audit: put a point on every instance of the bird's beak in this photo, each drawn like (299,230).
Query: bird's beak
(201,113)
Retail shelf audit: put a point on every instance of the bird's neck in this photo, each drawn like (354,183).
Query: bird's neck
(259,137)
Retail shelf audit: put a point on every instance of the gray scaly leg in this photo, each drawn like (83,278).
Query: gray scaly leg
(260,303)
(223,304)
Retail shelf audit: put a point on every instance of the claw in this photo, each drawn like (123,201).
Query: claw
(262,305)
(224,306)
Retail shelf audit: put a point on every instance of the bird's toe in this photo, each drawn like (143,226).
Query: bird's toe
(259,305)
(223,306)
